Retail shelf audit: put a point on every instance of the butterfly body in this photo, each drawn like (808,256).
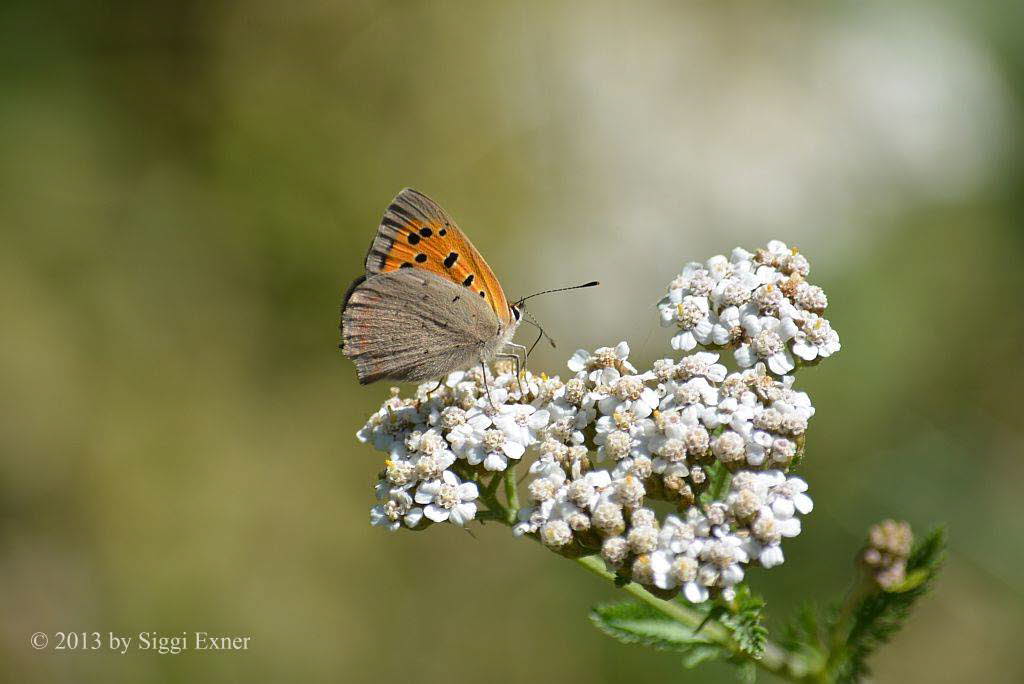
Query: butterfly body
(428,305)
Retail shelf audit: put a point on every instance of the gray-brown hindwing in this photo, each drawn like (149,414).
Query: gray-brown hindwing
(411,325)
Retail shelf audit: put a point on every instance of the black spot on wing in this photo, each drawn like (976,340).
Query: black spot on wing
(442,232)
(414,239)
(421,258)
(469,280)
(450,260)
(426,232)
(482,293)
(405,264)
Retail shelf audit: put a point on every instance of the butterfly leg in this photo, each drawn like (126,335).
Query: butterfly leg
(436,387)
(515,358)
(487,388)
(520,364)
(522,348)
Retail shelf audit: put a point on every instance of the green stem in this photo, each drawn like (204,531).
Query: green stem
(773,659)
(511,495)
(862,586)
(495,509)
(492,486)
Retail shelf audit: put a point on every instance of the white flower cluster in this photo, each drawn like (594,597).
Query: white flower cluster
(759,304)
(670,434)
(714,446)
(438,432)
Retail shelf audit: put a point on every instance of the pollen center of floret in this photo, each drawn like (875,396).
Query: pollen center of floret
(628,388)
(746,504)
(447,496)
(767,343)
(734,294)
(542,489)
(617,444)
(623,419)
(689,314)
(768,297)
(494,440)
(729,446)
(399,473)
(452,416)
(766,529)
(692,367)
(817,330)
(770,419)
(603,358)
(684,569)
(429,468)
(701,283)
(556,533)
(430,443)
(687,394)
(579,492)
(696,439)
(575,391)
(811,297)
(721,554)
(673,450)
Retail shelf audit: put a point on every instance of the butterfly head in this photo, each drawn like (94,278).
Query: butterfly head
(508,324)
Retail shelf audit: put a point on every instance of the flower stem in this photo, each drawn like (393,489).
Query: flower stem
(495,509)
(511,495)
(773,659)
(862,587)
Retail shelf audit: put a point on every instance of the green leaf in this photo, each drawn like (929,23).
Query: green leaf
(803,632)
(699,654)
(745,620)
(930,552)
(636,623)
(881,614)
(804,637)
(913,581)
(718,481)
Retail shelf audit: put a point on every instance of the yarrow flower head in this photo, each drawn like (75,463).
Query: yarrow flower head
(759,305)
(607,440)
(889,544)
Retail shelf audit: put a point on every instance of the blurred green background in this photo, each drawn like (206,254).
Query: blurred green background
(188,187)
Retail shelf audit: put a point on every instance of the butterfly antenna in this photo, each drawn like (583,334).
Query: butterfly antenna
(592,283)
(532,321)
(528,317)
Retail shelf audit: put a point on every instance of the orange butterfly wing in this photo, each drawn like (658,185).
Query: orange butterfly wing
(417,233)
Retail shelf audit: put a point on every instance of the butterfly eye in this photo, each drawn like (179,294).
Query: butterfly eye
(515,312)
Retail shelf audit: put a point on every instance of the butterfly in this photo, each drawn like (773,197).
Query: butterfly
(428,303)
